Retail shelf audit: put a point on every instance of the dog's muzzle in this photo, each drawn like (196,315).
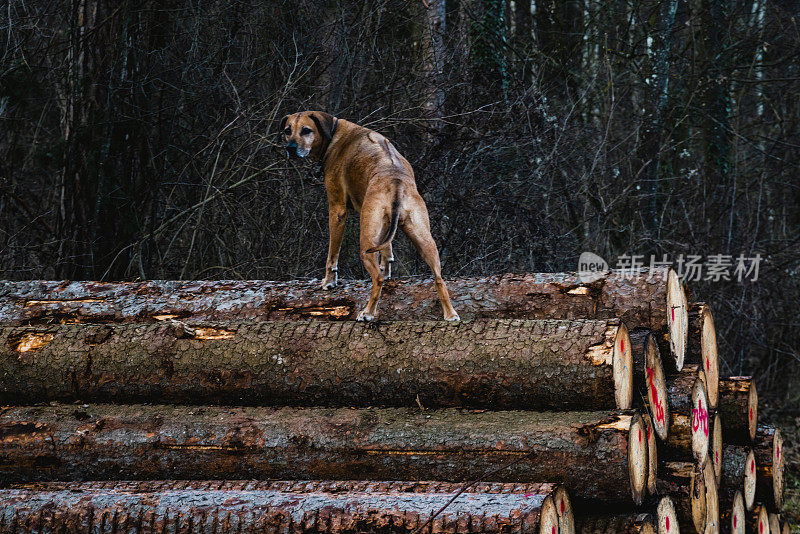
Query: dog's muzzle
(291,149)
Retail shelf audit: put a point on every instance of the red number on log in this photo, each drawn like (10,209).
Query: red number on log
(700,418)
(659,406)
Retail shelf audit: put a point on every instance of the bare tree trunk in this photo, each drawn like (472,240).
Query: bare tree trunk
(432,57)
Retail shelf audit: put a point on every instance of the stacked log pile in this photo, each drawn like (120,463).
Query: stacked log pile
(264,407)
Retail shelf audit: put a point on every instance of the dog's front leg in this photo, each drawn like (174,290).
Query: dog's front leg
(337,216)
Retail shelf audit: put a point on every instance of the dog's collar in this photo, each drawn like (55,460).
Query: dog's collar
(328,143)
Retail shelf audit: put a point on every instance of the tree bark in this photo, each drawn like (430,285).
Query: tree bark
(432,56)
(657,303)
(597,453)
(738,405)
(702,348)
(690,425)
(199,507)
(503,364)
(739,471)
(769,456)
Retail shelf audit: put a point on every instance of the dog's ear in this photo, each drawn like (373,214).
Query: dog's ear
(283,122)
(324,122)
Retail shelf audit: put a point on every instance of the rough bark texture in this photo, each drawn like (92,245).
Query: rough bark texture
(683,482)
(642,523)
(640,300)
(739,471)
(200,507)
(689,431)
(738,405)
(769,456)
(587,451)
(702,348)
(508,363)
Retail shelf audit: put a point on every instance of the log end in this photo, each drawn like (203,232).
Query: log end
(638,465)
(716,447)
(656,383)
(712,499)
(700,422)
(750,481)
(623,368)
(778,463)
(774,523)
(760,519)
(738,514)
(699,507)
(752,410)
(652,455)
(566,517)
(677,319)
(709,358)
(667,517)
(548,524)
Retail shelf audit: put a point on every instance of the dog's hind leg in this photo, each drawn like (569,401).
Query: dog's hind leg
(387,258)
(417,228)
(373,227)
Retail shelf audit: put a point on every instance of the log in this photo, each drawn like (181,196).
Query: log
(770,463)
(738,404)
(649,379)
(715,447)
(637,523)
(564,511)
(689,423)
(739,472)
(601,455)
(199,507)
(502,364)
(666,516)
(652,455)
(683,482)
(774,522)
(712,499)
(702,347)
(733,515)
(652,300)
(758,521)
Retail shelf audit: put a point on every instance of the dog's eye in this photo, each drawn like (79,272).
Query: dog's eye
(305,131)
(287,131)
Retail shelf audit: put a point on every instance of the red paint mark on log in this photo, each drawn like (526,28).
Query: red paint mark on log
(553,530)
(640,435)
(708,364)
(673,314)
(777,452)
(751,414)
(735,521)
(760,526)
(700,418)
(659,406)
(753,466)
(622,345)
(667,523)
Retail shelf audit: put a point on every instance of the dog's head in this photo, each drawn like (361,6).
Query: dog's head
(307,133)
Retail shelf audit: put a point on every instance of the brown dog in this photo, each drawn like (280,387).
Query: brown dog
(362,166)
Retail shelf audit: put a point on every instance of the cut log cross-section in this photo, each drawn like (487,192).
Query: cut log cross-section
(689,432)
(684,483)
(759,519)
(770,462)
(649,376)
(739,472)
(650,299)
(738,404)
(716,450)
(666,516)
(733,515)
(289,507)
(598,455)
(501,364)
(702,348)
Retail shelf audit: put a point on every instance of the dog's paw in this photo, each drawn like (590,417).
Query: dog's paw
(453,318)
(328,285)
(364,317)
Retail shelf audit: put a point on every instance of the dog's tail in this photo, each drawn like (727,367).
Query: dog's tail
(387,239)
